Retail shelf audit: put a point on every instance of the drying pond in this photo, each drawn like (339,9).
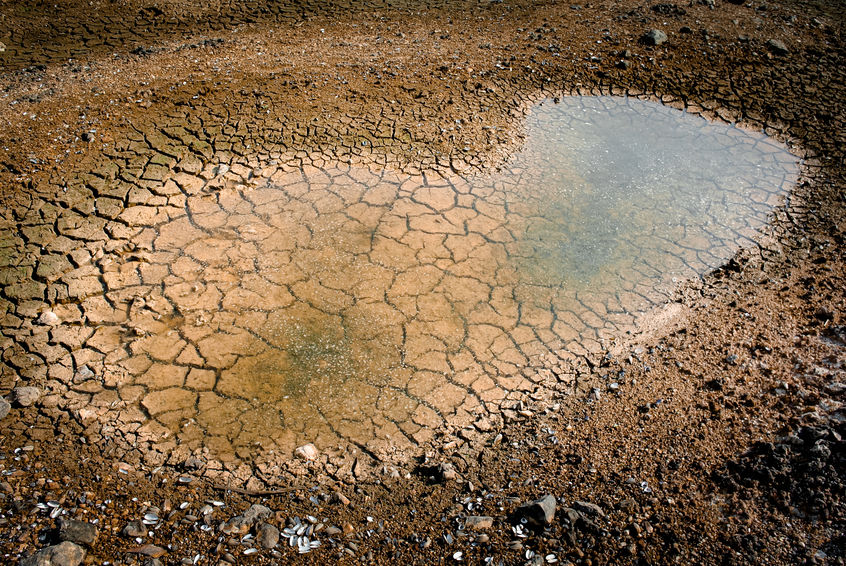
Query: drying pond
(342,304)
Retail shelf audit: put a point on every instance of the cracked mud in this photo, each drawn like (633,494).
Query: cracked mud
(244,311)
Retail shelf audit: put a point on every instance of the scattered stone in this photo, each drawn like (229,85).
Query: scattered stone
(4,407)
(25,396)
(87,136)
(446,472)
(589,508)
(478,522)
(79,532)
(307,452)
(654,37)
(2,47)
(49,318)
(62,554)
(538,513)
(240,524)
(777,47)
(268,536)
(134,529)
(339,497)
(150,550)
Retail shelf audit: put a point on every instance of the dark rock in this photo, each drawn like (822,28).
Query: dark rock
(63,554)
(669,10)
(589,508)
(538,513)
(79,532)
(777,47)
(654,37)
(87,137)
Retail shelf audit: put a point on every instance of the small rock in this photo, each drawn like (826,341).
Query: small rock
(538,513)
(654,37)
(257,512)
(4,407)
(63,554)
(134,529)
(777,47)
(87,136)
(79,532)
(478,522)
(49,318)
(589,508)
(339,497)
(307,452)
(193,463)
(446,472)
(2,47)
(268,536)
(240,524)
(25,396)
(150,550)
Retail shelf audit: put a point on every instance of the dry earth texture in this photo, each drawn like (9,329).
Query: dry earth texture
(199,196)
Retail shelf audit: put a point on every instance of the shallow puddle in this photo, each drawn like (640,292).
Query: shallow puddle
(339,304)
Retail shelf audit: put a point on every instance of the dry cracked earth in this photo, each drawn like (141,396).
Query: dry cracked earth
(368,277)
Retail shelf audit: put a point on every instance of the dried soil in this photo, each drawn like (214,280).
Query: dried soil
(723,443)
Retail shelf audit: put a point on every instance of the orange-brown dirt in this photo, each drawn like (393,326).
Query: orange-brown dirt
(723,443)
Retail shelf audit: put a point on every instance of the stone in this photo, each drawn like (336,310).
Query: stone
(268,536)
(654,37)
(62,554)
(446,472)
(538,513)
(257,512)
(25,396)
(134,529)
(589,508)
(4,407)
(777,47)
(478,522)
(240,524)
(150,550)
(307,452)
(49,318)
(78,532)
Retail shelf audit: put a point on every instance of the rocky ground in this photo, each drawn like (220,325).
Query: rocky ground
(713,434)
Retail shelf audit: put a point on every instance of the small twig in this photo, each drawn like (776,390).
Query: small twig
(253,492)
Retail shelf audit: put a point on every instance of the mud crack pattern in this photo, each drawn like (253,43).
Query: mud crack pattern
(243,307)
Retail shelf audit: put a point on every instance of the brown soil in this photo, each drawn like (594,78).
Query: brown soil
(724,443)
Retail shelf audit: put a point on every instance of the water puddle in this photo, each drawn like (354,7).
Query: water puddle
(339,304)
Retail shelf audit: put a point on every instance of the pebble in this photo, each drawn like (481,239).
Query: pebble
(63,554)
(4,407)
(307,452)
(134,529)
(49,318)
(777,47)
(538,513)
(268,536)
(78,532)
(654,37)
(150,550)
(478,522)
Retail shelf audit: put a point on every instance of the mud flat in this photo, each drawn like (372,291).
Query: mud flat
(357,283)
